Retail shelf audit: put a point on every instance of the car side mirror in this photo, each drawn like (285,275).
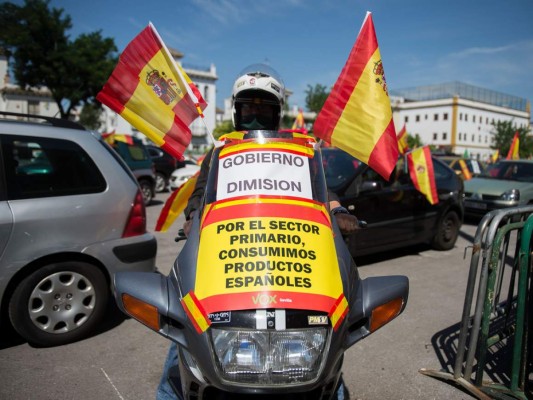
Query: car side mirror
(371,186)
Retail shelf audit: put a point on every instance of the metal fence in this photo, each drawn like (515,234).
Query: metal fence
(492,354)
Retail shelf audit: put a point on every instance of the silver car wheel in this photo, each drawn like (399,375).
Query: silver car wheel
(61,302)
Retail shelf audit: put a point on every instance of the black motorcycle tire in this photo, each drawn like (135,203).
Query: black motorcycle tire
(73,294)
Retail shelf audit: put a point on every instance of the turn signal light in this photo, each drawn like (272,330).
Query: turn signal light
(385,313)
(141,311)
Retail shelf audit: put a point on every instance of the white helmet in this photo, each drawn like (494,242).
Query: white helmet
(258,85)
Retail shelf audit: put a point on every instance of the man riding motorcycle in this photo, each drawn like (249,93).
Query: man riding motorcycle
(258,100)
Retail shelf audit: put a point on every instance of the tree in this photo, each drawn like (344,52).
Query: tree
(35,37)
(223,128)
(315,97)
(504,132)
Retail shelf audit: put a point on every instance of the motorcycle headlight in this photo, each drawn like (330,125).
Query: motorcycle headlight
(511,195)
(269,357)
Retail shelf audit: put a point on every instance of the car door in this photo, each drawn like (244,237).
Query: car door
(388,207)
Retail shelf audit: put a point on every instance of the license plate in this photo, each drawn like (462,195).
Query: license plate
(479,206)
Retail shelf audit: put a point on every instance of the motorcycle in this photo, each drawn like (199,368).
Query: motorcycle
(264,298)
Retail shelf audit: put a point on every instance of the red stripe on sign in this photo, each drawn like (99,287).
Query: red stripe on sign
(270,299)
(259,210)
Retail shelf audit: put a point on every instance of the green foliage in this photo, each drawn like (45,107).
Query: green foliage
(315,97)
(224,127)
(90,116)
(35,37)
(504,132)
(414,141)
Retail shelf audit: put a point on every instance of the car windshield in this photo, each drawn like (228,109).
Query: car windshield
(510,170)
(339,167)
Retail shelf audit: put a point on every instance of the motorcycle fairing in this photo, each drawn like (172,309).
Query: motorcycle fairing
(267,250)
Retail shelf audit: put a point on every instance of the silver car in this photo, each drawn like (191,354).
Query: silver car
(71,215)
(507,183)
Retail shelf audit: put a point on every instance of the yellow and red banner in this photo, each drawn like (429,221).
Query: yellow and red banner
(195,312)
(299,122)
(112,137)
(175,204)
(265,243)
(150,91)
(467,175)
(513,153)
(357,115)
(403,147)
(495,156)
(422,174)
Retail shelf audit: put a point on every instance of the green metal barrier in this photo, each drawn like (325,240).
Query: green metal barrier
(501,316)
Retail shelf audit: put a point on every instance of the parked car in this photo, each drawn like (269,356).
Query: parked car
(475,167)
(71,215)
(181,175)
(506,183)
(139,161)
(397,215)
(164,165)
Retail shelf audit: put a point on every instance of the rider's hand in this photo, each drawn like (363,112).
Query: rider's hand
(188,224)
(348,223)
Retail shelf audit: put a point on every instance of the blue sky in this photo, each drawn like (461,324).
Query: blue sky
(485,43)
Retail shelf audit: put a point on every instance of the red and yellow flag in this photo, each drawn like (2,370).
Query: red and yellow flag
(422,174)
(402,141)
(112,137)
(150,91)
(495,156)
(357,115)
(175,204)
(195,312)
(513,153)
(467,175)
(299,122)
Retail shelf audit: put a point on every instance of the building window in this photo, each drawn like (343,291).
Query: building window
(474,118)
(445,116)
(435,117)
(206,93)
(473,138)
(466,117)
(435,136)
(406,119)
(444,136)
(418,118)
(426,117)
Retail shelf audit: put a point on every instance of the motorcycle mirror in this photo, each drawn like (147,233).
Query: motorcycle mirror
(381,300)
(143,296)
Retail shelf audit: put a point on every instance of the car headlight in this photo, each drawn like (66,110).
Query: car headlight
(269,357)
(511,195)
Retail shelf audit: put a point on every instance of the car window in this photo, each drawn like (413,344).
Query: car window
(441,171)
(137,153)
(339,167)
(44,167)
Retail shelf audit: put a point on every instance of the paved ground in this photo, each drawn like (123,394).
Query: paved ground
(124,360)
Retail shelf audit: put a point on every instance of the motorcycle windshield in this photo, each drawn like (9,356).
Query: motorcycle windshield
(266,239)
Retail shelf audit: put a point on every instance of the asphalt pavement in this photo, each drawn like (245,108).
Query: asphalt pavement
(124,359)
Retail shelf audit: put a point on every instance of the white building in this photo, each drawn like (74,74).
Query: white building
(456,116)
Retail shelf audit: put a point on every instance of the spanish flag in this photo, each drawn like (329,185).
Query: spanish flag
(299,122)
(402,141)
(495,156)
(513,153)
(112,137)
(357,115)
(422,174)
(195,312)
(467,175)
(175,204)
(150,91)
